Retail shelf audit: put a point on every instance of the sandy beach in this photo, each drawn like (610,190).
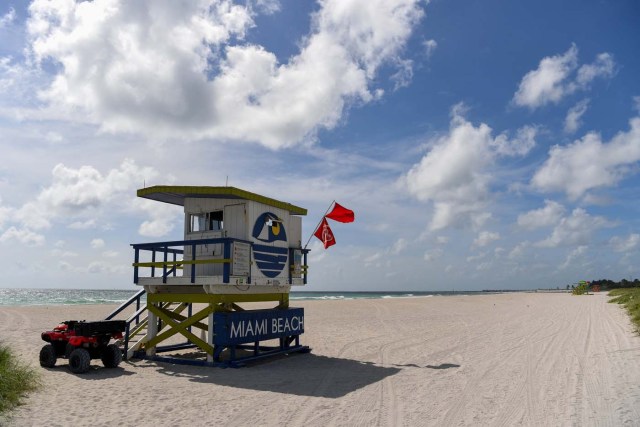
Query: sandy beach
(508,359)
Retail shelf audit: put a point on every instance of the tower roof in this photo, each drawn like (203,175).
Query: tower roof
(175,195)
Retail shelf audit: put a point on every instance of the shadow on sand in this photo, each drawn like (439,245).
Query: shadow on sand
(95,372)
(440,366)
(298,374)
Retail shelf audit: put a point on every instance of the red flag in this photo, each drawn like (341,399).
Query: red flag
(325,234)
(341,214)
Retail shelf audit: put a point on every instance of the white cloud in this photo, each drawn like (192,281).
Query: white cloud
(63,254)
(371,259)
(268,7)
(399,246)
(486,237)
(636,103)
(553,79)
(575,229)
(189,75)
(544,84)
(23,235)
(524,141)
(589,163)
(433,254)
(518,250)
(402,78)
(430,47)
(110,254)
(573,256)
(452,174)
(5,214)
(620,244)
(442,240)
(455,174)
(8,18)
(101,267)
(78,192)
(478,257)
(602,67)
(83,225)
(163,218)
(97,243)
(547,216)
(572,121)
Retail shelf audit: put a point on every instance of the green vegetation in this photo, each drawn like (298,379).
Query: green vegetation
(16,379)
(630,298)
(610,284)
(581,289)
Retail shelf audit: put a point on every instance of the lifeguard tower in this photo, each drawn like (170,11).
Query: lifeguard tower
(239,248)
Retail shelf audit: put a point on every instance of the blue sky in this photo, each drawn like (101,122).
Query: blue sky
(482,145)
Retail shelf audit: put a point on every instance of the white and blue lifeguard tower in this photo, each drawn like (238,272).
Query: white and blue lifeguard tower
(239,248)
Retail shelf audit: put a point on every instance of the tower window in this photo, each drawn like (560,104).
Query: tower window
(210,221)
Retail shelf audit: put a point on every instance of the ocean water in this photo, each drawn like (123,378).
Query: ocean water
(14,296)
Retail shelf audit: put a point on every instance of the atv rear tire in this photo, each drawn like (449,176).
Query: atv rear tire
(79,361)
(48,356)
(111,356)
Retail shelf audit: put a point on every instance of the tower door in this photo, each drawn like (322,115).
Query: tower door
(235,221)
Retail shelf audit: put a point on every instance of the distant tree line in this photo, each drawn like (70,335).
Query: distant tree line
(610,284)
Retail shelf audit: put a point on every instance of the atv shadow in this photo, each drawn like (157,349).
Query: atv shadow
(95,372)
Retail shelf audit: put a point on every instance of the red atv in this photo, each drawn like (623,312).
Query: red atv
(81,341)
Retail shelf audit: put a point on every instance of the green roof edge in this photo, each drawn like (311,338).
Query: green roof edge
(223,191)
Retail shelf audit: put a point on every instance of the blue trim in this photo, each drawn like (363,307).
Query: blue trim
(226,267)
(270,249)
(136,259)
(270,266)
(276,259)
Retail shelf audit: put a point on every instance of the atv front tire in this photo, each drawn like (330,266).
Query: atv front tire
(111,356)
(48,356)
(79,361)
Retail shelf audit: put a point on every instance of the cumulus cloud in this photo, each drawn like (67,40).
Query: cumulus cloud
(547,216)
(603,66)
(97,243)
(83,225)
(430,47)
(573,256)
(5,214)
(399,246)
(572,122)
(589,163)
(402,78)
(75,191)
(518,250)
(554,78)
(182,70)
(22,235)
(455,175)
(433,255)
(8,18)
(620,244)
(485,237)
(163,217)
(524,141)
(575,229)
(78,193)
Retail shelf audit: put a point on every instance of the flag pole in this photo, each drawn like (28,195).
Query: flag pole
(319,222)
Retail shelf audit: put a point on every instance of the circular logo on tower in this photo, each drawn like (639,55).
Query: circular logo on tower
(270,259)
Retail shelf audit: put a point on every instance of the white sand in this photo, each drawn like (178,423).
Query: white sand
(529,359)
